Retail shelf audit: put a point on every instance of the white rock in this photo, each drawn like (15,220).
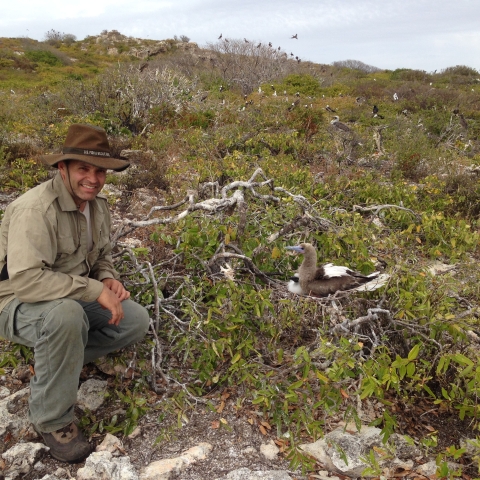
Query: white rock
(269,450)
(62,473)
(429,469)
(137,432)
(348,444)
(12,423)
(102,466)
(21,458)
(91,394)
(4,392)
(249,451)
(162,469)
(110,444)
(247,474)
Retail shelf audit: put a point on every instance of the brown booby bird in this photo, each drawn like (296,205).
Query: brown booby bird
(324,280)
(338,124)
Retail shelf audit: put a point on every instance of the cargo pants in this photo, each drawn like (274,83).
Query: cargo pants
(65,335)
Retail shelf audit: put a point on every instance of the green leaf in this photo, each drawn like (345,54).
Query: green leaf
(462,359)
(236,358)
(413,354)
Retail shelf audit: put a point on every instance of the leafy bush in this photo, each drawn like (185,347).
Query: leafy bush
(55,38)
(409,75)
(128,98)
(356,65)
(247,65)
(43,56)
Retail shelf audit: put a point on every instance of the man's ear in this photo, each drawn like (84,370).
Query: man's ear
(62,166)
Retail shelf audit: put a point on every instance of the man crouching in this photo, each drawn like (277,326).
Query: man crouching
(59,291)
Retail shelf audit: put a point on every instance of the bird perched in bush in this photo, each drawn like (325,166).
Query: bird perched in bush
(324,280)
(375,112)
(338,124)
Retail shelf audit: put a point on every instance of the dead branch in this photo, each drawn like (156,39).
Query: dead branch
(377,208)
(248,262)
(231,195)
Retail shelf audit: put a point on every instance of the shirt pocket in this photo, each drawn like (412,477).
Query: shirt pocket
(65,245)
(65,249)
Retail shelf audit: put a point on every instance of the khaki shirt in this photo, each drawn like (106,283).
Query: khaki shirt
(44,237)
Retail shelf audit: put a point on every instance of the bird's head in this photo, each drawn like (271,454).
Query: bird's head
(299,248)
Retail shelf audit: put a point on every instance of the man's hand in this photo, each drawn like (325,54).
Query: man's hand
(111,298)
(117,288)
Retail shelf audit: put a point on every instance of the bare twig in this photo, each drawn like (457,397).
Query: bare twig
(378,208)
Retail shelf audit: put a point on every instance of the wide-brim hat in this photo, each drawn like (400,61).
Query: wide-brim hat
(88,144)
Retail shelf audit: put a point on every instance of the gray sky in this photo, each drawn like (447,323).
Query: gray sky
(422,34)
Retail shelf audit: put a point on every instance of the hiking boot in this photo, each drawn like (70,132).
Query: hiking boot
(67,444)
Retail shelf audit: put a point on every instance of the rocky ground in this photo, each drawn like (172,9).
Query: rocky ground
(218,442)
(223,440)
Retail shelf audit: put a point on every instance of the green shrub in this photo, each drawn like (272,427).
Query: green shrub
(43,56)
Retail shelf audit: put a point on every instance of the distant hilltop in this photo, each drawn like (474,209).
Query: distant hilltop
(118,44)
(111,43)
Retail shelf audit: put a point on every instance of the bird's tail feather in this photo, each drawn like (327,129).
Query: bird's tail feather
(374,283)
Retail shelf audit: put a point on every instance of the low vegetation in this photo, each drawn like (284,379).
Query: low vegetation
(237,143)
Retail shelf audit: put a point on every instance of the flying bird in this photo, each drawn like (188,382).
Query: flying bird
(338,124)
(324,280)
(220,37)
(295,36)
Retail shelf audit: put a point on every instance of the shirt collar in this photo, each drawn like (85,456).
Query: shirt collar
(65,199)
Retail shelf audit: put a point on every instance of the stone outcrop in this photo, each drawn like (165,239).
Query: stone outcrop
(104,466)
(12,424)
(344,449)
(21,458)
(91,394)
(163,469)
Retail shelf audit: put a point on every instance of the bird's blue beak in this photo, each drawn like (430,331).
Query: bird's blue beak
(296,248)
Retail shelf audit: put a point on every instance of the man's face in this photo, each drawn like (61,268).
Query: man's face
(83,181)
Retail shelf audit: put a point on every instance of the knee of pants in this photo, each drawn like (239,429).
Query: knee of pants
(139,318)
(68,318)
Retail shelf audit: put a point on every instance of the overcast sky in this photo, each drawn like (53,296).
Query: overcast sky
(422,34)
